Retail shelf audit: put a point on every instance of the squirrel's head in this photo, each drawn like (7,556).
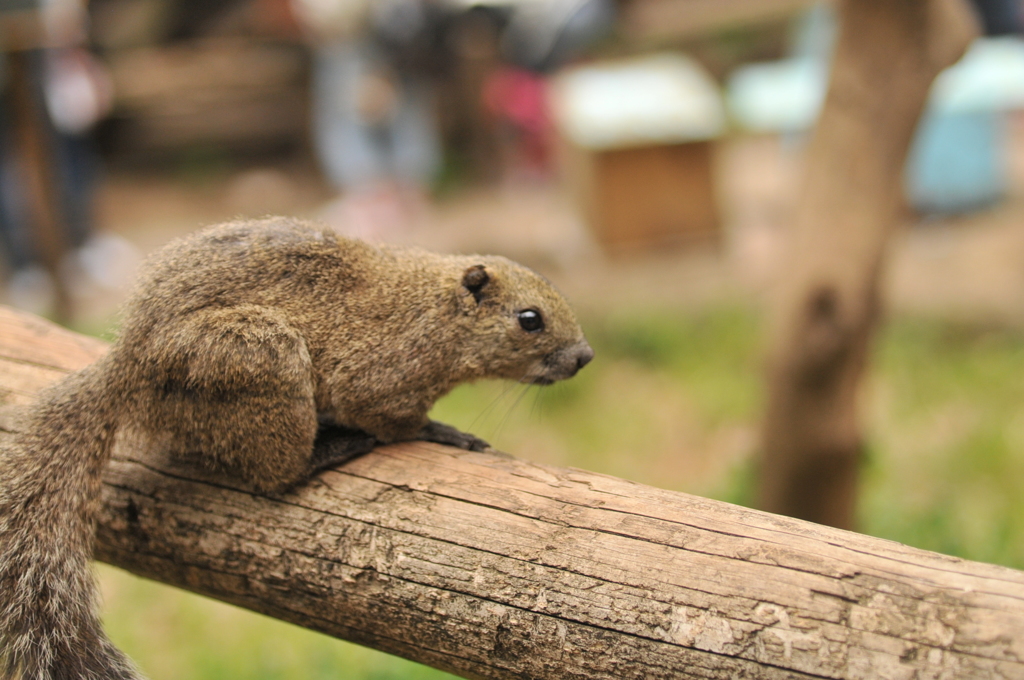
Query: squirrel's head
(523,329)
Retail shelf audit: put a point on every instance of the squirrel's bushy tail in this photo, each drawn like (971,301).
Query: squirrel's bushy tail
(49,493)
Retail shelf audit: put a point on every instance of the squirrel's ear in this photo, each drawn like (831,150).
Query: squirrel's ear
(474,279)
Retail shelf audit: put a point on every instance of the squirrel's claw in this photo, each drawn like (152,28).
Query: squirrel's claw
(439,433)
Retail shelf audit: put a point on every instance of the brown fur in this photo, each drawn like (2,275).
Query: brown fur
(238,341)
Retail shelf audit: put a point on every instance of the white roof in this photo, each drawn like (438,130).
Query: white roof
(658,99)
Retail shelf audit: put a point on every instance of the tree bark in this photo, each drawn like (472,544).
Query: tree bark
(851,200)
(492,567)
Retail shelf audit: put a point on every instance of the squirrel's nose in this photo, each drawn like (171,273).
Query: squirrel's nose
(585,355)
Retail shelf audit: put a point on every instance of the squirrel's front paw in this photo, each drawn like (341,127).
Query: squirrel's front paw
(440,433)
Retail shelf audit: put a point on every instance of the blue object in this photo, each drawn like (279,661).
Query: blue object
(957,162)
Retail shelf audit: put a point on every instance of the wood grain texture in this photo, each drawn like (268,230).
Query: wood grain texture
(493,567)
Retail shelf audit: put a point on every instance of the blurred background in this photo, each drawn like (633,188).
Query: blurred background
(644,155)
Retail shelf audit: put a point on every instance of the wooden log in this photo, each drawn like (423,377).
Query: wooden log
(492,567)
(850,202)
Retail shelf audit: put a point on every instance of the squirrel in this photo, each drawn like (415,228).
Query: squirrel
(267,350)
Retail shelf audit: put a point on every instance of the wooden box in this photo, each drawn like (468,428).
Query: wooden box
(645,197)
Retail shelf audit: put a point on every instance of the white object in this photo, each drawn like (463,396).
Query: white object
(990,77)
(666,98)
(777,96)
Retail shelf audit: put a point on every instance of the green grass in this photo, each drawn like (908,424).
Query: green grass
(674,400)
(946,426)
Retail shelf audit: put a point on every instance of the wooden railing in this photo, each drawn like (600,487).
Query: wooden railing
(493,567)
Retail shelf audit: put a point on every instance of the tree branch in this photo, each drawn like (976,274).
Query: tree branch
(492,567)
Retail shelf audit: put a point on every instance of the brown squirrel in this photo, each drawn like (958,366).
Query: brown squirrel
(268,350)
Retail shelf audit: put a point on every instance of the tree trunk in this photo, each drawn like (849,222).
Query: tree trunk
(851,200)
(491,567)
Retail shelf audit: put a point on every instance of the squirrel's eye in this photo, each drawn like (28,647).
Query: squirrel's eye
(530,320)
